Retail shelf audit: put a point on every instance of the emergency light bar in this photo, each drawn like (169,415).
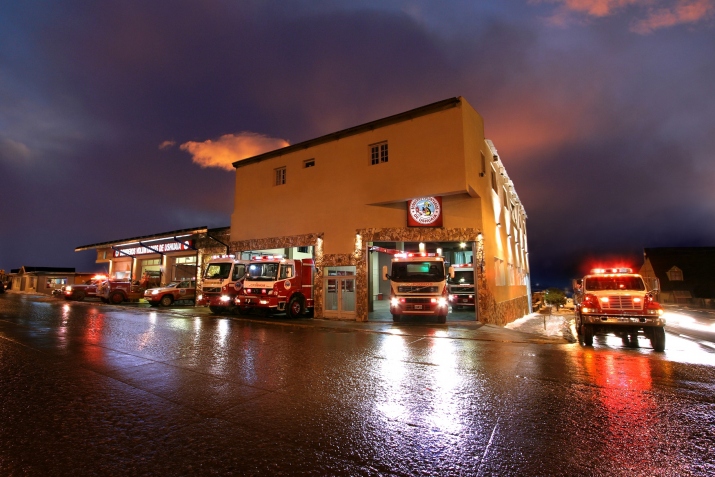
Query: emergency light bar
(422,254)
(267,257)
(601,271)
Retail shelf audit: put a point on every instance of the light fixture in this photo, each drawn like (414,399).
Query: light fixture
(462,245)
(422,247)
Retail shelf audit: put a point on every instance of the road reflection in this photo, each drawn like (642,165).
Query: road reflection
(629,424)
(427,394)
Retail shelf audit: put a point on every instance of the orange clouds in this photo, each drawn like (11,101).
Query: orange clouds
(229,148)
(658,13)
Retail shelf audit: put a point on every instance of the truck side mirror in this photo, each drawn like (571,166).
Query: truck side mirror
(451,272)
(576,285)
(384,272)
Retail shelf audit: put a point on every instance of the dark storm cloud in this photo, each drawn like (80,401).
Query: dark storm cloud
(601,110)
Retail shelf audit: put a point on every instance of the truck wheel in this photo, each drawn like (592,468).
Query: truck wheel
(79,296)
(295,307)
(166,300)
(658,339)
(587,334)
(216,310)
(442,319)
(116,298)
(396,318)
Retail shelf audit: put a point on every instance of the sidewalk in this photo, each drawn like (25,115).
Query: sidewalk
(532,328)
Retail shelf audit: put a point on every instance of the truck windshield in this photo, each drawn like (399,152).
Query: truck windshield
(239,270)
(417,271)
(462,277)
(262,272)
(614,283)
(218,270)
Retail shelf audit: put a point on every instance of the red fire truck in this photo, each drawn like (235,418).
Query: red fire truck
(221,283)
(84,290)
(461,286)
(616,300)
(118,291)
(275,284)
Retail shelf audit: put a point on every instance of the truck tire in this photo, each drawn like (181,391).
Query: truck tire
(587,334)
(295,307)
(79,296)
(442,319)
(116,297)
(216,310)
(395,318)
(166,300)
(657,339)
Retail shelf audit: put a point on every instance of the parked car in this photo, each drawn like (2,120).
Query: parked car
(184,290)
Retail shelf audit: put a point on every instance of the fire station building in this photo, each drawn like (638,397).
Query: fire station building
(346,197)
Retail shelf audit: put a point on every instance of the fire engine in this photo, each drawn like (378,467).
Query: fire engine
(221,283)
(277,284)
(417,286)
(616,300)
(461,286)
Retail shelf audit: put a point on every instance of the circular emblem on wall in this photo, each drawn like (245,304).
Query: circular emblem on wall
(425,211)
(286,284)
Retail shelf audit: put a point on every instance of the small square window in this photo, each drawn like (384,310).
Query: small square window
(280,176)
(309,163)
(378,153)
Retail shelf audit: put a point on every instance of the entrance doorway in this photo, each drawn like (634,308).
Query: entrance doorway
(339,292)
(459,255)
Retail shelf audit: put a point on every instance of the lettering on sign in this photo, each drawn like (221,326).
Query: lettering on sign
(158,248)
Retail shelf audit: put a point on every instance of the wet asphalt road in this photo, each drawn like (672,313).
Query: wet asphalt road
(90,389)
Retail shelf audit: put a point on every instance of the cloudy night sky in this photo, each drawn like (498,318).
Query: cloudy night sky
(121,119)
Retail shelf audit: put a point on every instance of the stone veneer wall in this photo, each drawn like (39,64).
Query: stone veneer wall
(499,313)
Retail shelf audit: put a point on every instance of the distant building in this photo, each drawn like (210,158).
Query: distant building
(686,274)
(44,279)
(169,256)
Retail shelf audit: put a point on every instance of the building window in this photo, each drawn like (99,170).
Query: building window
(280,176)
(675,274)
(378,153)
(484,165)
(304,249)
(494,181)
(309,163)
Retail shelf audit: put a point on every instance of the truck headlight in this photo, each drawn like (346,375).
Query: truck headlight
(225,298)
(394,301)
(441,301)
